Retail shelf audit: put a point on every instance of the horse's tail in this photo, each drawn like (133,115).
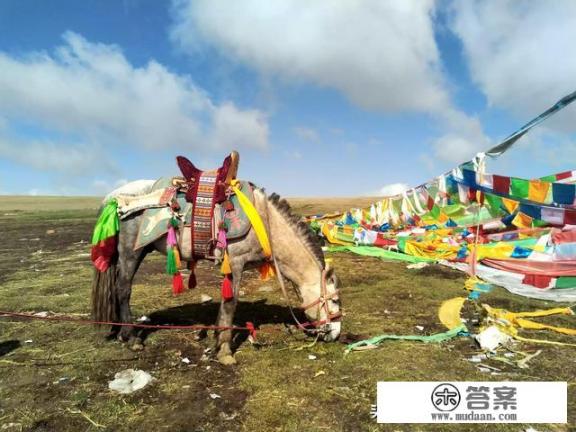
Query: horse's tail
(105,259)
(104,296)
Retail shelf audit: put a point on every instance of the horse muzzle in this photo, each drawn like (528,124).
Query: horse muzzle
(331,331)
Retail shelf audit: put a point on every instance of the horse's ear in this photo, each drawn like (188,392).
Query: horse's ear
(331,276)
(329,268)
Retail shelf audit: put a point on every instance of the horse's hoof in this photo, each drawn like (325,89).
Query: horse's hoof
(122,338)
(136,346)
(201,335)
(226,360)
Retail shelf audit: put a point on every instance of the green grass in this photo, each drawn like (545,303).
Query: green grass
(15,203)
(58,381)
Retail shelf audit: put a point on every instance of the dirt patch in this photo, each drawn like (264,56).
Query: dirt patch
(27,243)
(440,271)
(55,376)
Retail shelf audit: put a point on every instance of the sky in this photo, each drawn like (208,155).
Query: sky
(339,98)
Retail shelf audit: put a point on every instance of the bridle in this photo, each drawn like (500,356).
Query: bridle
(322,303)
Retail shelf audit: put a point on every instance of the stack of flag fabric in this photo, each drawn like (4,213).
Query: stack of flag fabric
(514,232)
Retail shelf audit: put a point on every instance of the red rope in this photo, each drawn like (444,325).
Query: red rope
(249,326)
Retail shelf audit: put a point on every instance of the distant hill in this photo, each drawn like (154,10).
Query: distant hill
(304,206)
(36,203)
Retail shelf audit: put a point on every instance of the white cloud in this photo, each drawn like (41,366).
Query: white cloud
(72,159)
(234,128)
(393,189)
(92,91)
(521,53)
(381,55)
(553,150)
(102,187)
(465,139)
(307,133)
(293,154)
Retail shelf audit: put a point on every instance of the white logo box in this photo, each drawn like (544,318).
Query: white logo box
(477,402)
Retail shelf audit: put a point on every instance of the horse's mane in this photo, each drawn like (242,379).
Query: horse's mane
(302,228)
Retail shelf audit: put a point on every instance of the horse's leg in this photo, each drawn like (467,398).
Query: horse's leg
(225,319)
(128,262)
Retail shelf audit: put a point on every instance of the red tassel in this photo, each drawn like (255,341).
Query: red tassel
(103,252)
(227,290)
(177,284)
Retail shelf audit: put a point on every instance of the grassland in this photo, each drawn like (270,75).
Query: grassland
(54,376)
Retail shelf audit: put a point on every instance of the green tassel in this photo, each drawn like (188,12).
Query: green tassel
(174,222)
(171,267)
(108,223)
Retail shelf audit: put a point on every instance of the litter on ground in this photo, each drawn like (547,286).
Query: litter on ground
(130,380)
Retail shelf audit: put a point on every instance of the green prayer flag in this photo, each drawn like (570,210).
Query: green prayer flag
(549,178)
(565,282)
(494,204)
(401,243)
(434,338)
(379,253)
(435,212)
(519,187)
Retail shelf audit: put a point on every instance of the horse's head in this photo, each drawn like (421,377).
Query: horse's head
(322,305)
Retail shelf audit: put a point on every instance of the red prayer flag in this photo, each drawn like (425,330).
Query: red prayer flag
(564,175)
(501,184)
(569,217)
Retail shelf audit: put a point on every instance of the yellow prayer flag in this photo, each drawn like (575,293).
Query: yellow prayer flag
(538,190)
(510,205)
(522,220)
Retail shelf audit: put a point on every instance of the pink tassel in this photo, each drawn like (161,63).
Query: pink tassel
(221,241)
(171,239)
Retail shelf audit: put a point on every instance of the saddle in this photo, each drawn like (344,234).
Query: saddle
(223,176)
(201,205)
(204,190)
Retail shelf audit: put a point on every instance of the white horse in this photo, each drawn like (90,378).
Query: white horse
(297,255)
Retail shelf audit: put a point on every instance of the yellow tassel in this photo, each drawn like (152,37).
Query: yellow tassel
(225,268)
(177,257)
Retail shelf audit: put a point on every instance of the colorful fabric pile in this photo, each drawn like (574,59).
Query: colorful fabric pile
(476,221)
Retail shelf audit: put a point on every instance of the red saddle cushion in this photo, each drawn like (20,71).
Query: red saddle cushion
(193,174)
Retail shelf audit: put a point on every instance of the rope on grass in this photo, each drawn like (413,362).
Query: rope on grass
(249,326)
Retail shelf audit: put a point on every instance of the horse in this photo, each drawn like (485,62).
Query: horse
(297,256)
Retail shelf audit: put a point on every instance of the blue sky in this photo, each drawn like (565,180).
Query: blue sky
(342,98)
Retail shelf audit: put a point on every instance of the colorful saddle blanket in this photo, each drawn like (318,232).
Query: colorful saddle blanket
(155,220)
